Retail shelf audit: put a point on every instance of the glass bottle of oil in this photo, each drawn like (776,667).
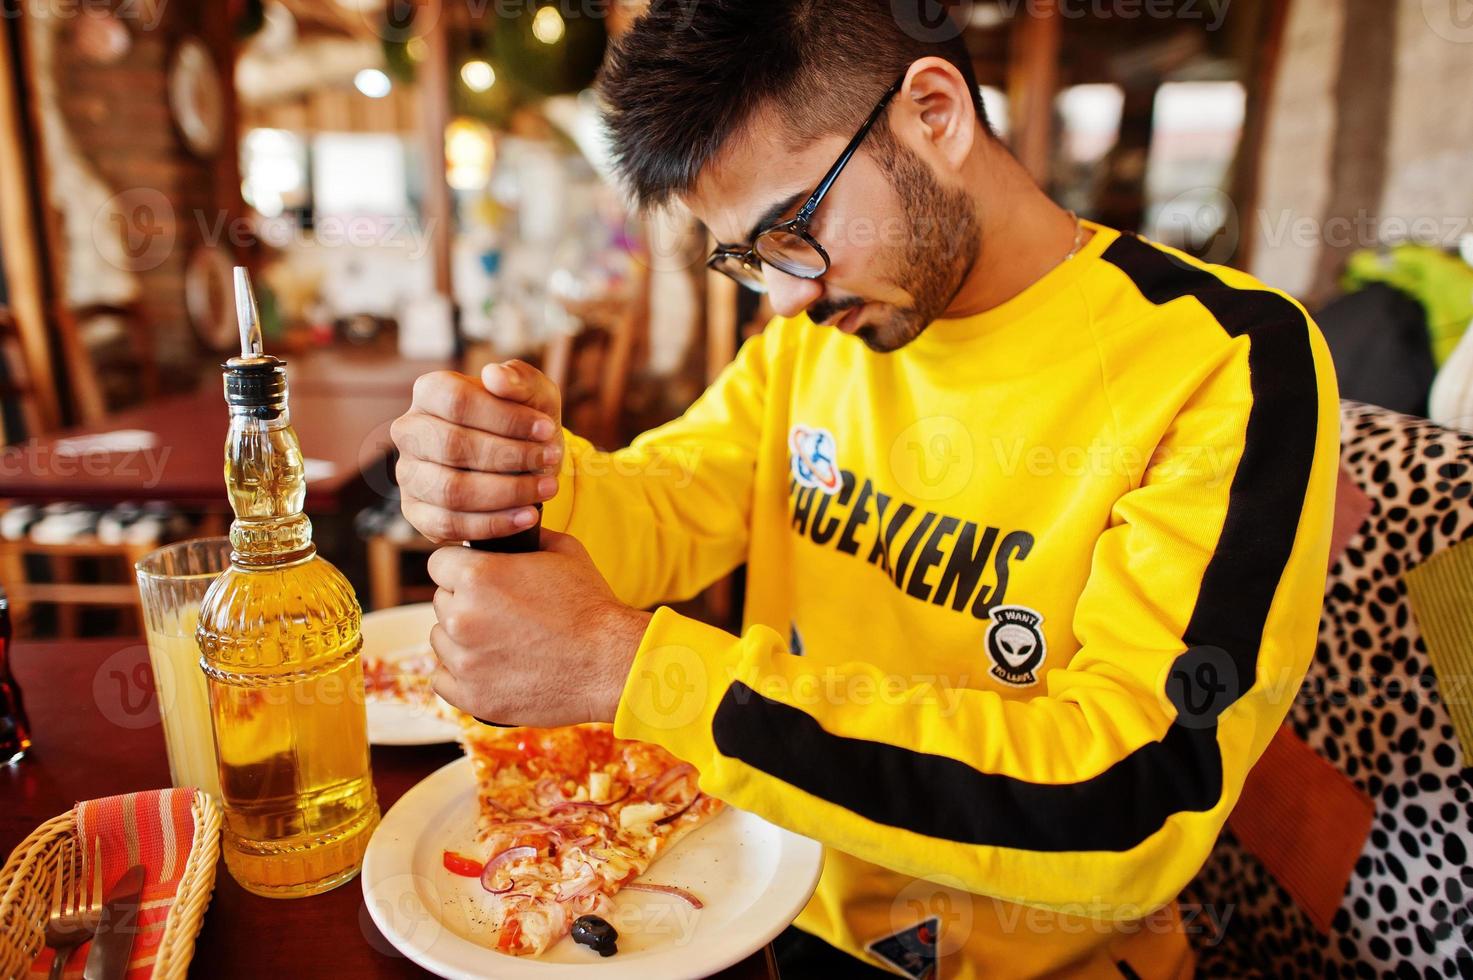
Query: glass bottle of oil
(279,638)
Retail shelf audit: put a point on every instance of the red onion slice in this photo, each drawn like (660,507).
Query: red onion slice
(488,874)
(641,886)
(668,777)
(671,816)
(548,790)
(592,811)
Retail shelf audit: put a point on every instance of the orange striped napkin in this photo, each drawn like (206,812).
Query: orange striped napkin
(154,829)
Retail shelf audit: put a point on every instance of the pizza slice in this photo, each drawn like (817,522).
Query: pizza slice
(567,817)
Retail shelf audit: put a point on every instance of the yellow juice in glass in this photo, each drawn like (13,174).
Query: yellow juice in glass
(184,702)
(172,581)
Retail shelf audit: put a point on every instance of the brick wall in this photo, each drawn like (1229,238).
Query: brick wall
(119,121)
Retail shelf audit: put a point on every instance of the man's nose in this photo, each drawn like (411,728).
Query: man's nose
(790,295)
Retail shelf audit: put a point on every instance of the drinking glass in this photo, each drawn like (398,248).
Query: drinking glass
(172,581)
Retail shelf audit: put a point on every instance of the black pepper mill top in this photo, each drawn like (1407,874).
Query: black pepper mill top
(520,543)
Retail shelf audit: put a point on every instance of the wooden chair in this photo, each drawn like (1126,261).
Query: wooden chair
(386,586)
(142,375)
(65,589)
(23,415)
(27,412)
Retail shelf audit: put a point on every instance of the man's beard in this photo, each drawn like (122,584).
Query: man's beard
(942,243)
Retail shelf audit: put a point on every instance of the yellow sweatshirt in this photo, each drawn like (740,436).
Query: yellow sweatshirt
(1025,600)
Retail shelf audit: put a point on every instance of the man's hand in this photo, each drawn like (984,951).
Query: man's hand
(536,639)
(474,457)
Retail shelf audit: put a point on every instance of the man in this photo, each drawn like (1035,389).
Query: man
(1035,514)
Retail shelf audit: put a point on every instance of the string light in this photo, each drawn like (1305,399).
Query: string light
(547,25)
(470,152)
(478,75)
(372,83)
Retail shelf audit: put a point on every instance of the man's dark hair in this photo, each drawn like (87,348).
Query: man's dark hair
(691,73)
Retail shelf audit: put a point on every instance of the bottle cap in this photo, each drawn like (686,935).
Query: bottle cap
(255,382)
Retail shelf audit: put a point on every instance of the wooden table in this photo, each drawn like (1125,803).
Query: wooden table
(97,733)
(346,430)
(373,370)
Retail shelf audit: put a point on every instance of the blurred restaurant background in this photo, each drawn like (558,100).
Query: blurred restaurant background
(419,184)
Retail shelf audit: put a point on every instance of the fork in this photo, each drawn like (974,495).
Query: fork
(75,911)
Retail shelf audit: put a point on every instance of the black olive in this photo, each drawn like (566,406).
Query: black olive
(595,933)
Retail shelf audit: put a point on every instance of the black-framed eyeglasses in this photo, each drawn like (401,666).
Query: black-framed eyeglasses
(787,245)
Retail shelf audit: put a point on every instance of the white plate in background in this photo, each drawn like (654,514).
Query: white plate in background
(398,634)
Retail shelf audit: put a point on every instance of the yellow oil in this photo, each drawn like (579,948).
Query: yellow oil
(279,637)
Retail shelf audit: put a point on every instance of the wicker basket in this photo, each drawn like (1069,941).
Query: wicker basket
(25,893)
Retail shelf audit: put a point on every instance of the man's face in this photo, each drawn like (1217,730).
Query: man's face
(899,243)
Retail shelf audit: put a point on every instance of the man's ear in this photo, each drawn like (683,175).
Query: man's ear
(934,106)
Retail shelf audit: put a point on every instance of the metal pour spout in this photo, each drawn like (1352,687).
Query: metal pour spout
(248,315)
(255,382)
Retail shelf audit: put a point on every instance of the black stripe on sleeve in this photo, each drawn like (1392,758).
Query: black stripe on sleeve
(1116,810)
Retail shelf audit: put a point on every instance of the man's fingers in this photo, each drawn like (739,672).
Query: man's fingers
(441,525)
(444,683)
(450,567)
(467,491)
(459,399)
(519,381)
(419,435)
(561,544)
(468,694)
(441,603)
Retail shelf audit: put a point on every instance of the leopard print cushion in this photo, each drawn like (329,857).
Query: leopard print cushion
(1371,706)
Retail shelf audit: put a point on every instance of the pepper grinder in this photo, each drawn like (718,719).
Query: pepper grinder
(522,542)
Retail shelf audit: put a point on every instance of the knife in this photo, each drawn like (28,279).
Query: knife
(112,947)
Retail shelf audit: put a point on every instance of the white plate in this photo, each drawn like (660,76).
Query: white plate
(390,635)
(753,878)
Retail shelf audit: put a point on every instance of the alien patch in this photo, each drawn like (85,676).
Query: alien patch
(912,951)
(1015,644)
